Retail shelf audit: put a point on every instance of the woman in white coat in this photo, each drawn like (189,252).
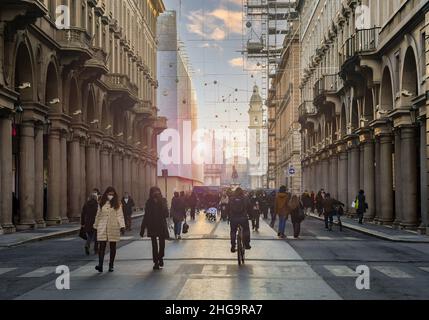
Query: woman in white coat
(109,224)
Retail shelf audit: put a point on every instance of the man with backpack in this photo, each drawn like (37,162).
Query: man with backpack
(237,208)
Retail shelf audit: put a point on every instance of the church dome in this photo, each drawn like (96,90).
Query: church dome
(256,99)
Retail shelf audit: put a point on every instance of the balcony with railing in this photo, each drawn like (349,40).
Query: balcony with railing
(24,8)
(328,84)
(75,40)
(364,41)
(144,108)
(121,82)
(307,108)
(98,62)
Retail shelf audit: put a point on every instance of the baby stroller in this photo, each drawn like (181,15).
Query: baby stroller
(211,214)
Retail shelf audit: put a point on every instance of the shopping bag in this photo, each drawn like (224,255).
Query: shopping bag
(82,234)
(185,228)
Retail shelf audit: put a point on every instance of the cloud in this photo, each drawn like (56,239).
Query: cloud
(248,65)
(236,62)
(213,45)
(216,24)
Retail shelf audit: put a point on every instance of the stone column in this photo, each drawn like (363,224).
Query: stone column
(63,183)
(117,173)
(6,175)
(127,174)
(154,175)
(343,178)
(398,180)
(83,194)
(369,178)
(98,169)
(325,173)
(423,181)
(377,180)
(133,177)
(353,185)
(147,180)
(26,177)
(74,179)
(409,177)
(104,169)
(142,198)
(38,177)
(361,167)
(334,176)
(54,178)
(91,167)
(386,179)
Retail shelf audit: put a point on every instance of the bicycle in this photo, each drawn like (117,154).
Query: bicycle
(240,246)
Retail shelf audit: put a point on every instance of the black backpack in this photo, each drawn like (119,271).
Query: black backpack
(237,207)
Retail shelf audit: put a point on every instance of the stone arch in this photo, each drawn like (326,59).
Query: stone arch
(386,91)
(354,115)
(119,117)
(410,78)
(52,90)
(91,114)
(74,103)
(368,108)
(343,121)
(105,117)
(24,72)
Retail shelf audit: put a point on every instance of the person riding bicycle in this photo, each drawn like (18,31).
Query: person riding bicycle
(237,208)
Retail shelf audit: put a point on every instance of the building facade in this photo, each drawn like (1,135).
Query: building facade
(78,105)
(364,101)
(284,142)
(258,143)
(178,103)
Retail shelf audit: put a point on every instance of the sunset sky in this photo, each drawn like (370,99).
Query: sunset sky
(212,32)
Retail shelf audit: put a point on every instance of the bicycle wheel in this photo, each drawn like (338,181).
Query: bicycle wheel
(243,250)
(239,248)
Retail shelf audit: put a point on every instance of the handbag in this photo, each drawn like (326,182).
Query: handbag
(185,227)
(82,234)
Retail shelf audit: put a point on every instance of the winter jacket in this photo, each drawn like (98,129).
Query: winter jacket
(128,207)
(177,211)
(89,212)
(155,219)
(328,205)
(281,205)
(306,200)
(362,203)
(108,223)
(296,214)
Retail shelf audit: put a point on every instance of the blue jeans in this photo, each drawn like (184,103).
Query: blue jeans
(282,225)
(178,228)
(244,222)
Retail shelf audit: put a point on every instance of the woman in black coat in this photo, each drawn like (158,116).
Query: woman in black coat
(155,221)
(87,219)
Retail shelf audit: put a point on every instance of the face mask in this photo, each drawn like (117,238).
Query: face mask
(110,198)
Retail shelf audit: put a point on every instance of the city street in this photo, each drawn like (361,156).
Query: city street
(320,265)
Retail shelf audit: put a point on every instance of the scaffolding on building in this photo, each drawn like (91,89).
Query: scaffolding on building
(272,25)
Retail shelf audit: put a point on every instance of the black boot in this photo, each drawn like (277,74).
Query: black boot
(99,268)
(111,267)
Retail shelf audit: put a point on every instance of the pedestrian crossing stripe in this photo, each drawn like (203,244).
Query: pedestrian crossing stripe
(424,269)
(39,273)
(392,272)
(6,270)
(341,271)
(127,238)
